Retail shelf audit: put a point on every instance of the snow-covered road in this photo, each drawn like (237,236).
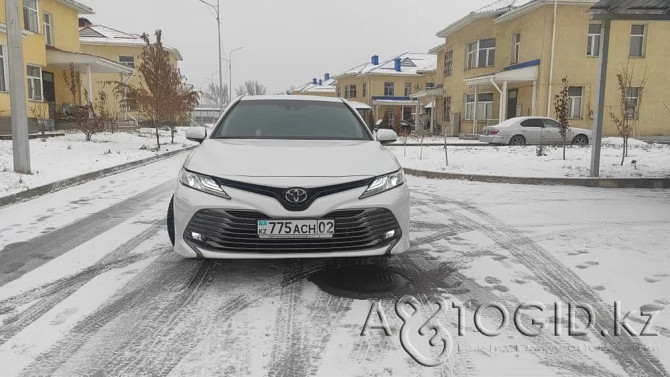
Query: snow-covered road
(88,285)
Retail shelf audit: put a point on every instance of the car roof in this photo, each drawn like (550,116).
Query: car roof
(290,98)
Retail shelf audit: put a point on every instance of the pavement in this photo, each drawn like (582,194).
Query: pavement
(89,285)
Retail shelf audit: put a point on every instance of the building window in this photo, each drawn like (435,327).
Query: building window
(365,90)
(593,42)
(48,20)
(34,83)
(127,60)
(3,77)
(446,115)
(31,19)
(484,106)
(388,89)
(449,63)
(350,91)
(575,95)
(408,89)
(632,102)
(482,53)
(430,85)
(516,48)
(637,40)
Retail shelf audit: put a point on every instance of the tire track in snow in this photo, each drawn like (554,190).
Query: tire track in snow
(626,351)
(20,258)
(47,297)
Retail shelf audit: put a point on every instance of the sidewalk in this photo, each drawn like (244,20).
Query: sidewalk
(68,160)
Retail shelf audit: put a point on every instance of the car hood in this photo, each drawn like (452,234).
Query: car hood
(291,158)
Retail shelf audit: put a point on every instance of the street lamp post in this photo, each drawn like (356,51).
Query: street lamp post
(230,73)
(217,10)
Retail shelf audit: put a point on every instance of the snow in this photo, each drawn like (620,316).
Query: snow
(63,157)
(143,307)
(652,160)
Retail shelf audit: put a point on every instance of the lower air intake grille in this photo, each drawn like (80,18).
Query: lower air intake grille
(236,232)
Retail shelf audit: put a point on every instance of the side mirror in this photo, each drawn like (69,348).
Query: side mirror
(386,136)
(198,134)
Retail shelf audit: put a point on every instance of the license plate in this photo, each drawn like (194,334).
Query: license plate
(296,228)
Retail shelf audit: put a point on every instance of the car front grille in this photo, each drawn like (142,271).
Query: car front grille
(236,232)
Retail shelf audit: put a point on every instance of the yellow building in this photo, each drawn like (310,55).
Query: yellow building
(508,53)
(317,87)
(387,86)
(50,36)
(124,48)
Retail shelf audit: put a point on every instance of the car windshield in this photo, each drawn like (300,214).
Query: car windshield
(291,119)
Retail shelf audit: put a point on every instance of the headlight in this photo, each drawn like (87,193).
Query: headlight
(201,183)
(384,183)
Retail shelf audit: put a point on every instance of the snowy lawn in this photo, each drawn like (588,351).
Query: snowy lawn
(70,155)
(652,160)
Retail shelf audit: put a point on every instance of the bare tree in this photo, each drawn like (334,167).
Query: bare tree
(562,108)
(251,88)
(163,99)
(626,115)
(214,93)
(42,116)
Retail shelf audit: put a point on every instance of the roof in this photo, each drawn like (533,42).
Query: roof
(104,35)
(290,98)
(60,58)
(411,64)
(503,10)
(327,86)
(631,7)
(79,7)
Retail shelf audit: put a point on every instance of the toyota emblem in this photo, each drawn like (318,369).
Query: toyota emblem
(295,195)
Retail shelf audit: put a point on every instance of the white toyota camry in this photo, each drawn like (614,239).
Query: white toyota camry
(290,177)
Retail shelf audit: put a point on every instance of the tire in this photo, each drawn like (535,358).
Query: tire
(170,220)
(580,140)
(517,140)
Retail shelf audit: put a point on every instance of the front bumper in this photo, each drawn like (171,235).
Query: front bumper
(189,206)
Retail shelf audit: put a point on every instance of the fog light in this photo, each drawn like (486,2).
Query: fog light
(388,234)
(197,236)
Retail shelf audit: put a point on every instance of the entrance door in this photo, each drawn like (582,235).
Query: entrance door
(49,88)
(511,103)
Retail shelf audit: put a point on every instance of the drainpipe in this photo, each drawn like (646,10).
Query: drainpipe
(500,108)
(551,61)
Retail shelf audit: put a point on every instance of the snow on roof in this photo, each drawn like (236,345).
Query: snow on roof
(494,9)
(79,7)
(327,86)
(104,35)
(411,64)
(290,98)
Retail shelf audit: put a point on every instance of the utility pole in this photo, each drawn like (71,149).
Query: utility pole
(217,12)
(600,98)
(17,88)
(230,73)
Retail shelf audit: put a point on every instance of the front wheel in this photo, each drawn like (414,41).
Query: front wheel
(580,140)
(517,140)
(170,220)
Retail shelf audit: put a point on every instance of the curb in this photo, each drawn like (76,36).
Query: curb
(644,183)
(86,177)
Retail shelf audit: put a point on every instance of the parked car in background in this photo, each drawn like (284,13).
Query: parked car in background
(533,130)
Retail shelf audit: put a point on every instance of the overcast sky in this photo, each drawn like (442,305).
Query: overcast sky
(286,42)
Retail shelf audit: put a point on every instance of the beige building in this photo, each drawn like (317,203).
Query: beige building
(505,60)
(124,48)
(386,86)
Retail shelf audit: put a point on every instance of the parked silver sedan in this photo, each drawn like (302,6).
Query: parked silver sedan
(533,130)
